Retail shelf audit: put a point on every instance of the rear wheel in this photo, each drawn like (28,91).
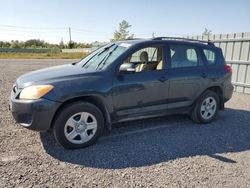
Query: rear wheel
(206,107)
(78,125)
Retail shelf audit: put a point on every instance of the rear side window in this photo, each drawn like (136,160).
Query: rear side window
(191,55)
(183,56)
(210,56)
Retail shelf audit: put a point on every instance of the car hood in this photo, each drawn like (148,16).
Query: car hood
(51,74)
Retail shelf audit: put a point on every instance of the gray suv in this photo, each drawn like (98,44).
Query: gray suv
(123,81)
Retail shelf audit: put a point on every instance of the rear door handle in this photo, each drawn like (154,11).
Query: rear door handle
(162,79)
(203,75)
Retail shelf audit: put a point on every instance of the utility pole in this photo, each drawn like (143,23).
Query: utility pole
(153,35)
(69,35)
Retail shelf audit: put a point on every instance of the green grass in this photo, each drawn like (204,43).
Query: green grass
(13,55)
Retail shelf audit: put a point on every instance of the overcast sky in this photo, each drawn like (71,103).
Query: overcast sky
(92,20)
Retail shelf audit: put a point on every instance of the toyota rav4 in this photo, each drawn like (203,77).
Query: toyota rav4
(123,81)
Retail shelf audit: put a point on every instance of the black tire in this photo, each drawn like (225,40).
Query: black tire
(196,114)
(66,113)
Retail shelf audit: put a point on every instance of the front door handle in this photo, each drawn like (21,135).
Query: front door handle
(162,79)
(204,75)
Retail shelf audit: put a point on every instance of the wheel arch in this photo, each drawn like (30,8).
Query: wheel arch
(218,90)
(93,99)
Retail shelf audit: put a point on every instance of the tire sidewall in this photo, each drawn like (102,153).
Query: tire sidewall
(200,101)
(66,113)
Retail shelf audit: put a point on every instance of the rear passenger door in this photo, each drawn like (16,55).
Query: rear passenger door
(187,75)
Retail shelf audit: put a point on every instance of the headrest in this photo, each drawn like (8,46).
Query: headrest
(144,57)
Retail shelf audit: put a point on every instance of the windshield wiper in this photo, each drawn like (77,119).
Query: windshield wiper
(102,62)
(98,54)
(105,49)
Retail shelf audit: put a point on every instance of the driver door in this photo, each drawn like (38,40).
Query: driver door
(145,90)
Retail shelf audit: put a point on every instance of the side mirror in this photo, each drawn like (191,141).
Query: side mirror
(127,67)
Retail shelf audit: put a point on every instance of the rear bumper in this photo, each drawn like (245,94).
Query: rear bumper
(228,92)
(33,114)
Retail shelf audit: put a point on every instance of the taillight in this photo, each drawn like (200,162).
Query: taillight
(228,68)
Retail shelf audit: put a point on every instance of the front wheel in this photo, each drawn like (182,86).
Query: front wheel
(206,107)
(78,125)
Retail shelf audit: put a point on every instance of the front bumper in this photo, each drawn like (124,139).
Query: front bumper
(33,114)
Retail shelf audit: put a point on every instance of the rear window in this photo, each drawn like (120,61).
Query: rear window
(183,56)
(210,56)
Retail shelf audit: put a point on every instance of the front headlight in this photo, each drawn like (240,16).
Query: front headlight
(35,92)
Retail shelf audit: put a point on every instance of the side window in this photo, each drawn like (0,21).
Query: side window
(151,51)
(147,59)
(183,56)
(191,55)
(210,56)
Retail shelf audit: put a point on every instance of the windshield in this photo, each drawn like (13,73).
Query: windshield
(102,57)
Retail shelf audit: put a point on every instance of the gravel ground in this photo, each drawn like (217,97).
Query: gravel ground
(160,152)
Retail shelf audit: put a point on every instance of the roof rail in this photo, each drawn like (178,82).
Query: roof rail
(184,39)
(134,39)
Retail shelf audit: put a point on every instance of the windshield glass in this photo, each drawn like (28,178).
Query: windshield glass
(102,57)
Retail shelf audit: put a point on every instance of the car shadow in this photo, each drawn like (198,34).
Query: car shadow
(152,141)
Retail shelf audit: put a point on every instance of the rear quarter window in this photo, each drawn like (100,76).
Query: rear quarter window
(210,56)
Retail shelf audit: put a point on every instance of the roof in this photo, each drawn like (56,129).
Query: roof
(169,39)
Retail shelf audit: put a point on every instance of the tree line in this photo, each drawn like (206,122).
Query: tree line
(37,43)
(121,34)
